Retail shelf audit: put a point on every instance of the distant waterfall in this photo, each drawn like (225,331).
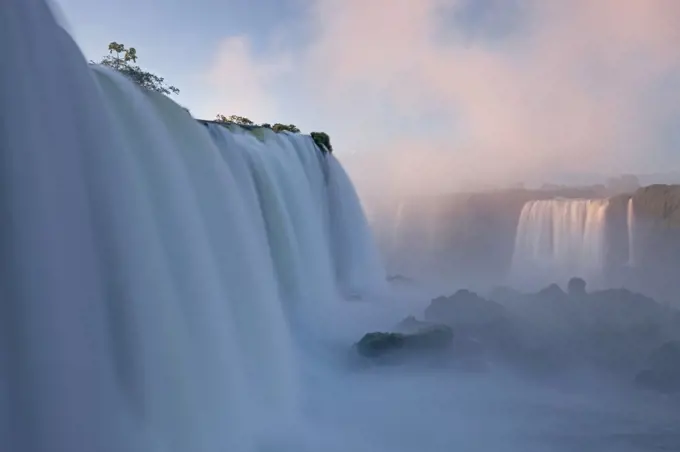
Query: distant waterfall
(630,222)
(557,239)
(150,264)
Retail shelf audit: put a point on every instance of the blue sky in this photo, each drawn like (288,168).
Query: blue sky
(177,39)
(501,89)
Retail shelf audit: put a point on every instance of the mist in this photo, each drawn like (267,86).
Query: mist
(521,91)
(175,284)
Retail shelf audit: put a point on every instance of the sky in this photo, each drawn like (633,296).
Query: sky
(452,91)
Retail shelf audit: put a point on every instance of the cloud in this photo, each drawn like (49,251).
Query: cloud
(240,83)
(575,85)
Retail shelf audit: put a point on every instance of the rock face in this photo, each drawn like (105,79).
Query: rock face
(547,333)
(465,309)
(468,235)
(483,328)
(657,240)
(471,236)
(612,330)
(663,372)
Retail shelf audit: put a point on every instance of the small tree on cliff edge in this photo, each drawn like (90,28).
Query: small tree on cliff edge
(240,120)
(288,128)
(122,60)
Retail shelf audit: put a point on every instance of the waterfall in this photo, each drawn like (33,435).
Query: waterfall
(558,239)
(630,223)
(352,237)
(151,264)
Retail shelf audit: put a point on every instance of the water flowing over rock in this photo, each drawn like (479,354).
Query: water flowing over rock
(559,238)
(150,263)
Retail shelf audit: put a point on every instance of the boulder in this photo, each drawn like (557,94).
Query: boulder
(663,372)
(552,293)
(484,329)
(576,287)
(464,308)
(374,345)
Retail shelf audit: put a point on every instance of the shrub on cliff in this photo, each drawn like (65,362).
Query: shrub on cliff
(122,59)
(322,140)
(285,128)
(234,119)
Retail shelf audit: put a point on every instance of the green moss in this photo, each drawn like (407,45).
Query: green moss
(429,338)
(322,140)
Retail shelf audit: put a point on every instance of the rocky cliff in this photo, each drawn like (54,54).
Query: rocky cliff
(469,237)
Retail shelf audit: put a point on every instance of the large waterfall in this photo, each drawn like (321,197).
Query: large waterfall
(151,263)
(558,239)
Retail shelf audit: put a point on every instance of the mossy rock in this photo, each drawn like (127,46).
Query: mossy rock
(278,127)
(377,344)
(322,140)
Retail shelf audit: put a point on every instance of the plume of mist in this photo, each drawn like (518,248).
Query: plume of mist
(445,93)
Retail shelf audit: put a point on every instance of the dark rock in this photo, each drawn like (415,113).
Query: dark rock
(576,287)
(322,140)
(374,345)
(663,373)
(622,309)
(484,331)
(612,330)
(552,292)
(464,308)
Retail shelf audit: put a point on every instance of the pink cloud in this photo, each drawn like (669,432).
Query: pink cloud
(570,91)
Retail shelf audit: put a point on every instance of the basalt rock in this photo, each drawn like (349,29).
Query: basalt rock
(663,372)
(430,338)
(465,309)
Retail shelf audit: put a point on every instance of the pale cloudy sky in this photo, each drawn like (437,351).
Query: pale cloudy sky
(458,89)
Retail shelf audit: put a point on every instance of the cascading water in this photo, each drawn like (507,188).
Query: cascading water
(351,237)
(151,264)
(558,239)
(630,223)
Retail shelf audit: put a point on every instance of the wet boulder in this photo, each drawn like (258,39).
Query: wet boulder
(422,340)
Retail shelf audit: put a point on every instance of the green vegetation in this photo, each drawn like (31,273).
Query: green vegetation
(234,119)
(285,128)
(322,140)
(122,59)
